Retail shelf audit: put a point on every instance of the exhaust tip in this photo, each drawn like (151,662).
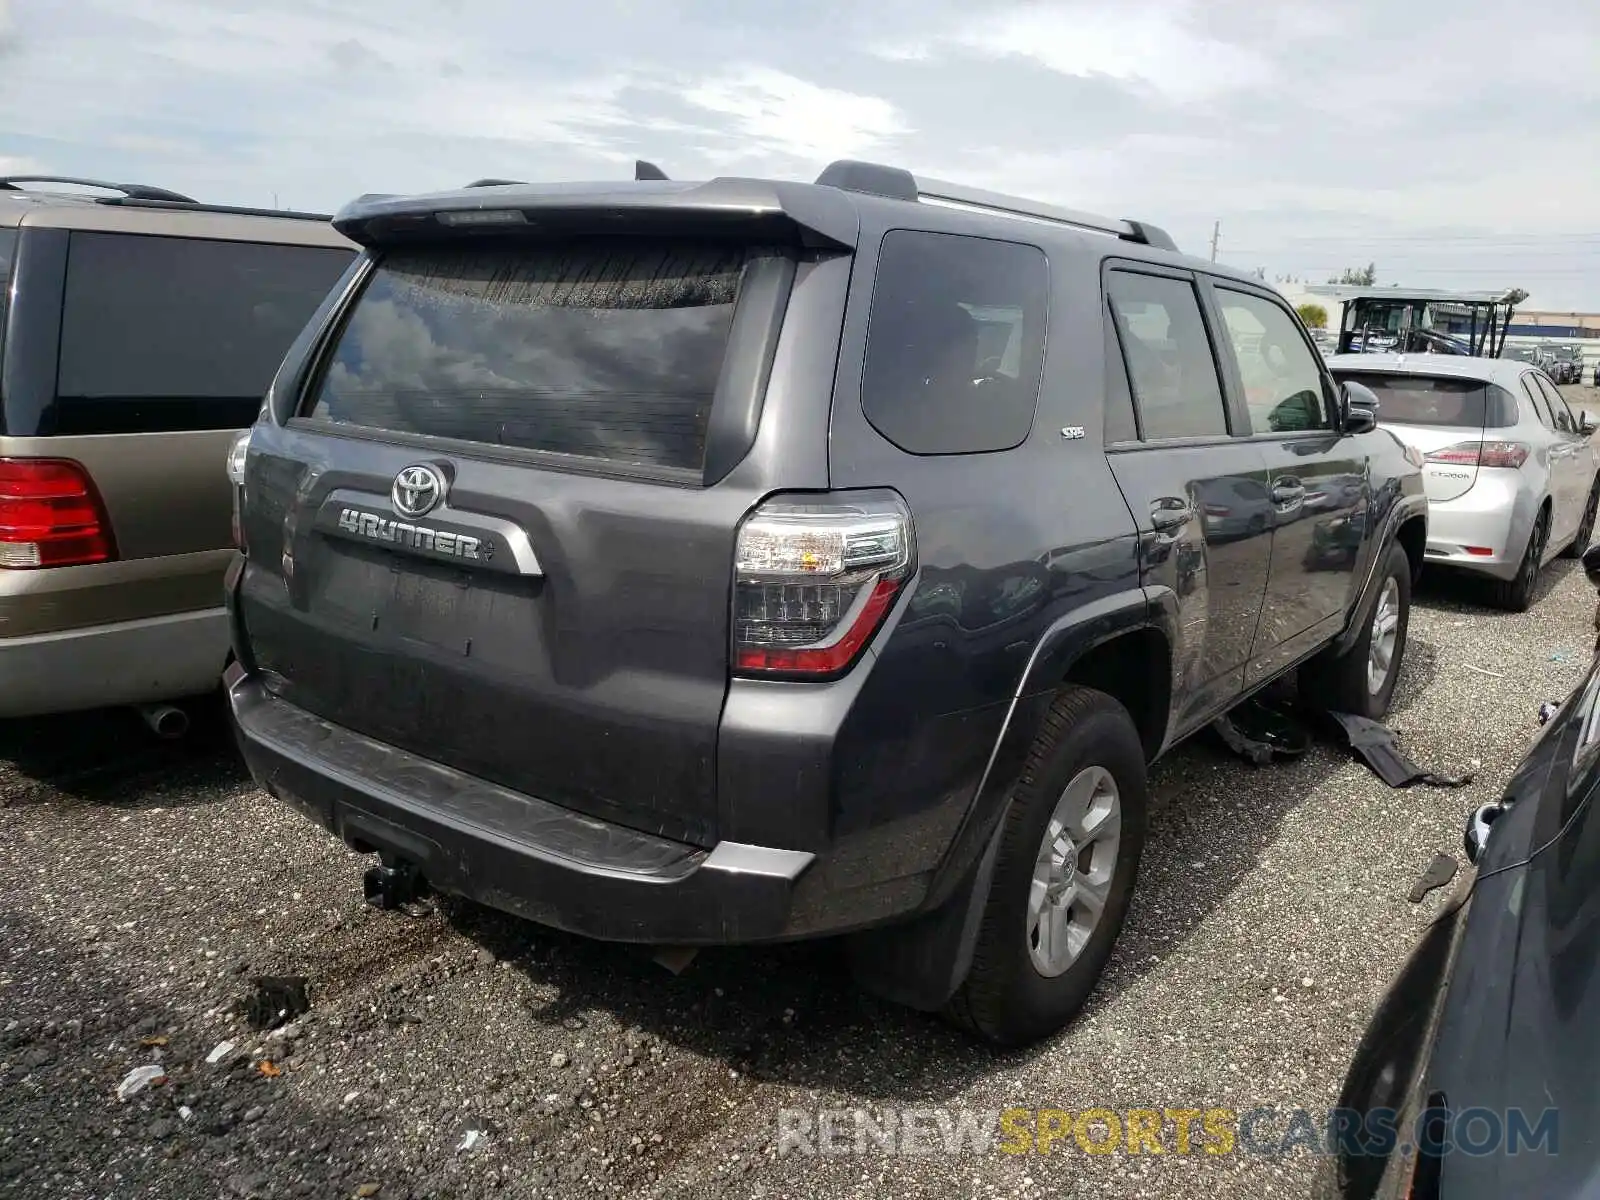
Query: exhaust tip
(167,721)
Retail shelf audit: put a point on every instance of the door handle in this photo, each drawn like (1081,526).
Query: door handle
(1287,491)
(1170,512)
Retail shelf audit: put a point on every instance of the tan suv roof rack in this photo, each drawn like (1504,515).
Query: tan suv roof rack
(131,191)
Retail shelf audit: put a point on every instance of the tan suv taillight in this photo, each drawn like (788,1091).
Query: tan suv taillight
(51,515)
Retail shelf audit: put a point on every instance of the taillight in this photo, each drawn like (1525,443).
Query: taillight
(238,452)
(813,581)
(1482,454)
(50,515)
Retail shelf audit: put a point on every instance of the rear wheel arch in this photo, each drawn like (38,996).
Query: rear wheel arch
(1134,668)
(1413,538)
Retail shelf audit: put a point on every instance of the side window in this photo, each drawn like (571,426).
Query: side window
(1120,423)
(1168,356)
(955,342)
(1541,406)
(1282,383)
(1558,406)
(190,325)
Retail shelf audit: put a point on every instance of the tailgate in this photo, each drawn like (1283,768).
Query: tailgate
(526,574)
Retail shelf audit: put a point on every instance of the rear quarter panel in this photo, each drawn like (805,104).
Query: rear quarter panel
(1010,544)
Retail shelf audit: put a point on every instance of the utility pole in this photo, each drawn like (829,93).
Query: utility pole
(1216,232)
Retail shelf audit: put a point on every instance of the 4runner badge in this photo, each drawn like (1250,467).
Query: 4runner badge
(373,528)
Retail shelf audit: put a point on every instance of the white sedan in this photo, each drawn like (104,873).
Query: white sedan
(1509,469)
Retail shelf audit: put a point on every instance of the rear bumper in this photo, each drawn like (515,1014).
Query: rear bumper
(130,662)
(1496,514)
(513,852)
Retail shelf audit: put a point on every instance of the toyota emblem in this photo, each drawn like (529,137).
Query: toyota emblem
(417,491)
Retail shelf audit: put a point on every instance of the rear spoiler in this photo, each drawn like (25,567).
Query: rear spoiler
(820,217)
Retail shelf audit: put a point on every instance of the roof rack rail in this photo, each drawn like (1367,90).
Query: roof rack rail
(494,182)
(133,191)
(896,183)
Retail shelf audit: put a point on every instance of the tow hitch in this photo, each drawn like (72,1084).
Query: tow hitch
(394,883)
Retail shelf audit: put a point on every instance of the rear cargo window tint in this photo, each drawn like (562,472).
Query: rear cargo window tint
(606,349)
(1168,356)
(955,342)
(176,319)
(1445,402)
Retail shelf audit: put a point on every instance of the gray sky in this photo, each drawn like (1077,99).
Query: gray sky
(1455,150)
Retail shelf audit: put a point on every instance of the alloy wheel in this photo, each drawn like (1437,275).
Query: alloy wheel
(1385,636)
(1072,873)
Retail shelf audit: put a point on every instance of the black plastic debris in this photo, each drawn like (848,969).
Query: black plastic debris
(275,1001)
(1262,729)
(1440,872)
(1378,748)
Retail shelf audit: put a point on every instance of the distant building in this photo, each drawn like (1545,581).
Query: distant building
(1540,323)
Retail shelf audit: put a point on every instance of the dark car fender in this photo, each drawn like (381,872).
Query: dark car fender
(922,963)
(1407,504)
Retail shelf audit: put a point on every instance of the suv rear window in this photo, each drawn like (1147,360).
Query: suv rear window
(175,320)
(606,349)
(955,342)
(1445,402)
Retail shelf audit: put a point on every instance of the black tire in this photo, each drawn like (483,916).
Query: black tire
(1514,595)
(1341,683)
(1585,534)
(1006,999)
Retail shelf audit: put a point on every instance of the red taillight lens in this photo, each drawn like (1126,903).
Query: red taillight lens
(50,515)
(814,581)
(1482,454)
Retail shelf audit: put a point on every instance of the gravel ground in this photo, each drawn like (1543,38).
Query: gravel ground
(144,885)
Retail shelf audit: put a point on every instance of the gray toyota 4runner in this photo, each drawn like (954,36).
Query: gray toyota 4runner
(743,561)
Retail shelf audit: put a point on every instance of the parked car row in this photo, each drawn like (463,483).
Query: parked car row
(1563,363)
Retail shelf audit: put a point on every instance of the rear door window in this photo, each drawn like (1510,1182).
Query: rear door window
(171,333)
(1176,390)
(1541,406)
(1446,402)
(605,349)
(955,342)
(1558,406)
(1283,385)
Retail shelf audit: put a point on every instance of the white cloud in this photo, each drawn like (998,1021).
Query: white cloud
(1155,45)
(782,115)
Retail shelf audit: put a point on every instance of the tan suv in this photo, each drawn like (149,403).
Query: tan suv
(138,331)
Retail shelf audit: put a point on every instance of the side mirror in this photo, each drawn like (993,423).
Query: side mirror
(1358,407)
(1476,836)
(1586,423)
